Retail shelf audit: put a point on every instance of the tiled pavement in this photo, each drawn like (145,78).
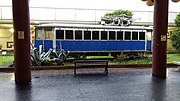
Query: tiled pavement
(121,84)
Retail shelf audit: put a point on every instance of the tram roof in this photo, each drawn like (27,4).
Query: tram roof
(85,26)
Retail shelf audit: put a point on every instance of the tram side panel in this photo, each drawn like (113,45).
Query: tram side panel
(149,45)
(101,46)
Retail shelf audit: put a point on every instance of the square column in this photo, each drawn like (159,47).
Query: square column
(159,56)
(21,24)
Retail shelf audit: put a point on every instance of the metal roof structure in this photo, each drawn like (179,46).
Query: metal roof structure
(86,26)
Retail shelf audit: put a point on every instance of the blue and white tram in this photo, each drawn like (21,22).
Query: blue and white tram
(93,39)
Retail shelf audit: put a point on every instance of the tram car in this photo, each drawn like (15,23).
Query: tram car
(82,40)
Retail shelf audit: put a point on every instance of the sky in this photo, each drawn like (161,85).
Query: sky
(135,5)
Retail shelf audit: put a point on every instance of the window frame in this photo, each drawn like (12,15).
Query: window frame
(96,35)
(88,33)
(77,33)
(120,33)
(71,33)
(144,35)
(115,32)
(63,34)
(129,35)
(136,36)
(104,37)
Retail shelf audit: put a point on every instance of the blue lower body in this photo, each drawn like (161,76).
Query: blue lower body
(47,44)
(71,45)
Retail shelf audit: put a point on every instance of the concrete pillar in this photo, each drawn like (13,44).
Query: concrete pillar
(21,23)
(160,38)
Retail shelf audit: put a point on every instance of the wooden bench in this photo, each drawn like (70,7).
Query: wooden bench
(91,64)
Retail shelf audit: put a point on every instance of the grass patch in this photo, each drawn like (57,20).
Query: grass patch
(173,57)
(133,61)
(6,59)
(100,57)
(146,60)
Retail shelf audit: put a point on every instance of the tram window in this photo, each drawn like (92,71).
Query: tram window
(39,34)
(111,35)
(69,34)
(127,35)
(103,35)
(141,35)
(95,35)
(48,33)
(119,35)
(134,35)
(78,35)
(59,34)
(87,35)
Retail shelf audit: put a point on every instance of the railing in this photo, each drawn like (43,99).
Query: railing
(76,15)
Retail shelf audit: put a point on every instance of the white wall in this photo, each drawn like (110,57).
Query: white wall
(5,37)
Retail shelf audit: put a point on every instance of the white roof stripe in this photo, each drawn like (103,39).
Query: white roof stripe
(94,26)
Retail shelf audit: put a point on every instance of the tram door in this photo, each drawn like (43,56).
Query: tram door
(44,36)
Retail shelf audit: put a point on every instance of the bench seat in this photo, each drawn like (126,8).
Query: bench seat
(91,64)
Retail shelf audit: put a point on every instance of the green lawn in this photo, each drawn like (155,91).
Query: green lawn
(133,61)
(147,60)
(92,57)
(173,57)
(6,59)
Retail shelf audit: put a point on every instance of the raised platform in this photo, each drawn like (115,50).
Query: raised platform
(121,84)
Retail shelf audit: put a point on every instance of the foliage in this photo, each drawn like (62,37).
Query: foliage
(121,57)
(119,12)
(175,37)
(116,13)
(146,60)
(177,20)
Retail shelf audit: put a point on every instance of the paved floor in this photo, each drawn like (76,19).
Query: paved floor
(123,84)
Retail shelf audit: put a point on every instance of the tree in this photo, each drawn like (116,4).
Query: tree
(177,20)
(175,37)
(119,12)
(118,17)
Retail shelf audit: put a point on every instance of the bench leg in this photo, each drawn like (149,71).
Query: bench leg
(75,71)
(178,68)
(106,70)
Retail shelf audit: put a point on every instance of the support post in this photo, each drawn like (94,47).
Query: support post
(160,38)
(21,24)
